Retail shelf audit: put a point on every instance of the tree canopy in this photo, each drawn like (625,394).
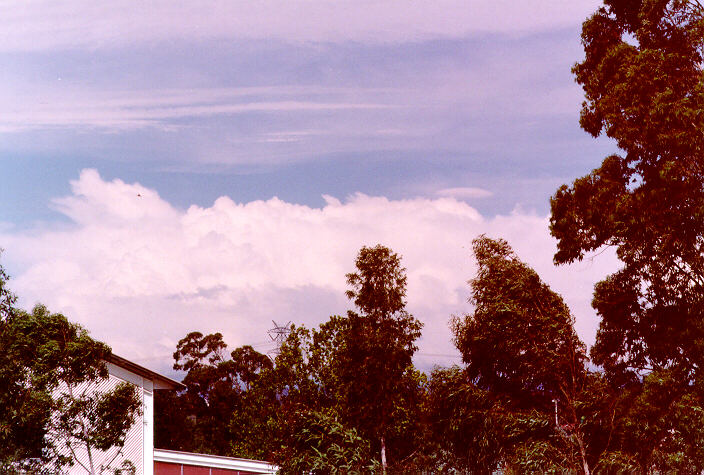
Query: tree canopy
(520,338)
(522,358)
(43,358)
(643,84)
(642,78)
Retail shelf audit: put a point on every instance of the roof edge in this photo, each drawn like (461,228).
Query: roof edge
(214,461)
(161,382)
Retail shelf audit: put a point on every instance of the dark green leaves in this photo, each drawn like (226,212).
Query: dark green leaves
(231,397)
(643,84)
(520,339)
(379,285)
(39,351)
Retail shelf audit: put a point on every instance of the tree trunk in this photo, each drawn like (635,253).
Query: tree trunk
(85,434)
(383,455)
(583,454)
(90,461)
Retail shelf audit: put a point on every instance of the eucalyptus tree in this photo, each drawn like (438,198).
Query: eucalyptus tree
(352,377)
(644,88)
(524,363)
(227,402)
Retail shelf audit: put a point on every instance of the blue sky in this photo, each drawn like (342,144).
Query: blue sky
(457,117)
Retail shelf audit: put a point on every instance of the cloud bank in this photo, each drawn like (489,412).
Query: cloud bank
(41,25)
(140,273)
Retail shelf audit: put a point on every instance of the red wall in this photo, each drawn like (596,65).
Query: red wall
(163,468)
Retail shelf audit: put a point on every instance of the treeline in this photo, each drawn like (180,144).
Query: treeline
(345,396)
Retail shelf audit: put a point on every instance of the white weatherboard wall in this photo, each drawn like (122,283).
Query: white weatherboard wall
(142,432)
(139,443)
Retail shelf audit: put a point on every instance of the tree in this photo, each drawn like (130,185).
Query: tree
(520,339)
(24,392)
(522,356)
(373,362)
(334,396)
(48,366)
(364,370)
(94,420)
(643,84)
(320,444)
(223,396)
(463,424)
(354,374)
(379,285)
(26,406)
(7,298)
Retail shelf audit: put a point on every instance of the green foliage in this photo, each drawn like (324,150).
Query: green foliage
(352,378)
(464,423)
(127,468)
(25,389)
(7,298)
(322,445)
(368,356)
(520,340)
(96,419)
(223,396)
(643,86)
(522,355)
(43,356)
(379,285)
(364,367)
(174,427)
(660,426)
(524,402)
(38,351)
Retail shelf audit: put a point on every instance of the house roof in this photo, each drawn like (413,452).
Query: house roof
(160,382)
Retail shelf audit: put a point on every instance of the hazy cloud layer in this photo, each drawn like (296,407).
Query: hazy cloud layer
(37,25)
(140,273)
(465,192)
(188,100)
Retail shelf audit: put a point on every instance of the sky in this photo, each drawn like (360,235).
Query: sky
(172,166)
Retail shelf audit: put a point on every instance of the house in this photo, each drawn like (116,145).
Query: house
(139,443)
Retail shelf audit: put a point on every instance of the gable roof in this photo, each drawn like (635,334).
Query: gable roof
(160,382)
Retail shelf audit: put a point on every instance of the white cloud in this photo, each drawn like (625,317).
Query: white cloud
(140,273)
(41,24)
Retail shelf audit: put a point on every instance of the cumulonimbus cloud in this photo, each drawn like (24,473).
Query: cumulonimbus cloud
(140,273)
